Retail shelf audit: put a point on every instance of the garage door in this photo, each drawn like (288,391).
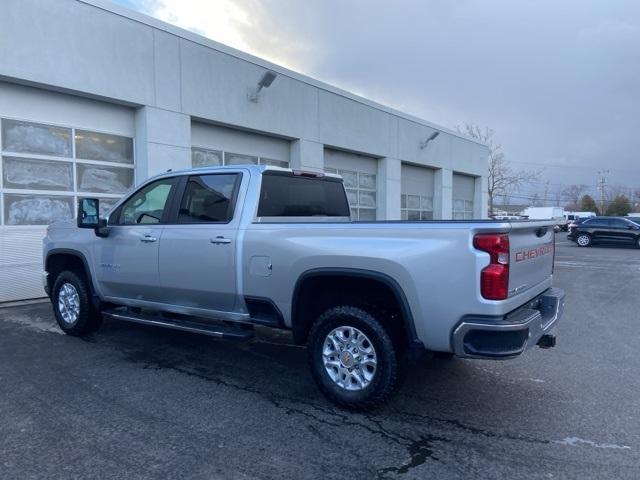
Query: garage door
(216,145)
(416,200)
(463,194)
(360,179)
(46,164)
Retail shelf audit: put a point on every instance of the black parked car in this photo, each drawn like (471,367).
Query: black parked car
(611,230)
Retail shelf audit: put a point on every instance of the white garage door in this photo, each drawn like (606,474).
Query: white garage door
(217,145)
(416,200)
(360,179)
(463,194)
(54,149)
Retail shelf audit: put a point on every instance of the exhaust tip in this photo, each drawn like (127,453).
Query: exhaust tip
(547,341)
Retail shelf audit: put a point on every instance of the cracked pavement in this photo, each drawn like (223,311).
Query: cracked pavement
(141,402)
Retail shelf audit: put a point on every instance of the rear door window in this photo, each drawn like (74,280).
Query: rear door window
(596,223)
(209,198)
(296,196)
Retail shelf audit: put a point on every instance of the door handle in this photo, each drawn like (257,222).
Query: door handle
(148,239)
(220,240)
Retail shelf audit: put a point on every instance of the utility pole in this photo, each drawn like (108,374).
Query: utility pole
(546,192)
(602,183)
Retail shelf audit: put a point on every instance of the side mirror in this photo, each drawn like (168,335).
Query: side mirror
(88,213)
(89,216)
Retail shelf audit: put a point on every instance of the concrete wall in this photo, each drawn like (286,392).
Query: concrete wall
(172,77)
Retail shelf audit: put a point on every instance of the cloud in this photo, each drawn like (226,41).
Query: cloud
(557,81)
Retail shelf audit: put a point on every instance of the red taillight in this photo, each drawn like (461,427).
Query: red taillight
(494,278)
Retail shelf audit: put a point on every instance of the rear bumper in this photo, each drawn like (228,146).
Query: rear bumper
(509,336)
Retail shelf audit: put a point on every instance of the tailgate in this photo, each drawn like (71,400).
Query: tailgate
(531,254)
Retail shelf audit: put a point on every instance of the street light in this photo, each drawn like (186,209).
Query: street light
(265,82)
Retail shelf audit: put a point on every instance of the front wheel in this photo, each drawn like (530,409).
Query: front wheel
(353,359)
(72,305)
(583,240)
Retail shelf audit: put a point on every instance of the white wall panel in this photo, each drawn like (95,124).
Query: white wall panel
(417,180)
(238,141)
(21,263)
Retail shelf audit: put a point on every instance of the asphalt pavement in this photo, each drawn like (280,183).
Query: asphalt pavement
(141,402)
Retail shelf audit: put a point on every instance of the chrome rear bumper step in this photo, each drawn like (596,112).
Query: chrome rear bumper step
(212,329)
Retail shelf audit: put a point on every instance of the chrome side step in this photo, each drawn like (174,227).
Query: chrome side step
(211,329)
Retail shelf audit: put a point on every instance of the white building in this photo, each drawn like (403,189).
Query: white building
(95,98)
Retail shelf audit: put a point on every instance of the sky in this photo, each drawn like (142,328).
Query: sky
(558,81)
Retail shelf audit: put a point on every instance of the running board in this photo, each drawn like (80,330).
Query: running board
(211,329)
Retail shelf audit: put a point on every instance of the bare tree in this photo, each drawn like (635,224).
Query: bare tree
(636,200)
(535,200)
(503,179)
(557,197)
(572,194)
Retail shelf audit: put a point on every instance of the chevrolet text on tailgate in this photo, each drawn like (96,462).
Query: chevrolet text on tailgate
(220,250)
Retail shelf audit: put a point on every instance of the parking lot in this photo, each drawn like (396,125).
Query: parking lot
(141,402)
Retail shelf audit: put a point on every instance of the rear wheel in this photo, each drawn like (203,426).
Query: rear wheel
(583,240)
(353,358)
(72,305)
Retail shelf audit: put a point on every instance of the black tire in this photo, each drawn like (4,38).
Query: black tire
(587,243)
(88,319)
(391,359)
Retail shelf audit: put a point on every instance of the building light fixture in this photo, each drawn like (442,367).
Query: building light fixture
(424,144)
(265,82)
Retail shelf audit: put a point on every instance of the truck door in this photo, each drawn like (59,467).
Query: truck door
(198,249)
(126,261)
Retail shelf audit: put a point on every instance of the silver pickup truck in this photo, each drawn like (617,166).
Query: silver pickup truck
(219,250)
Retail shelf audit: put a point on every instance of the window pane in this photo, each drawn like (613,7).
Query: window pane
(239,159)
(403,201)
(354,213)
(367,181)
(105,147)
(350,178)
(208,198)
(367,199)
(35,174)
(35,138)
(352,197)
(95,178)
(413,215)
(201,157)
(468,205)
(468,216)
(458,205)
(367,214)
(426,203)
(331,170)
(286,195)
(405,215)
(274,163)
(106,204)
(147,205)
(458,216)
(426,215)
(413,201)
(36,209)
